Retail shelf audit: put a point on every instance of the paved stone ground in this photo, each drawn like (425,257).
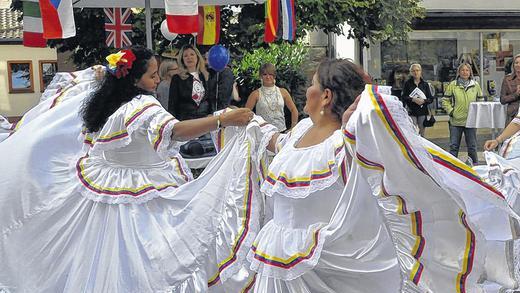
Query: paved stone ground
(440,135)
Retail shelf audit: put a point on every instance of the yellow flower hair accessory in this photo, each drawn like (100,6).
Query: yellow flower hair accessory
(119,63)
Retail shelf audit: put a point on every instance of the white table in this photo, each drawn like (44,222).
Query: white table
(486,115)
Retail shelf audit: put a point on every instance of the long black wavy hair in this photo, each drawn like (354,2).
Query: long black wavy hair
(345,80)
(114,92)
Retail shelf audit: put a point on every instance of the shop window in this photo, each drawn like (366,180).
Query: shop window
(439,54)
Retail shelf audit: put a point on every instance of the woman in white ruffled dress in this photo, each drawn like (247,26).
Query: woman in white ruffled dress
(503,169)
(348,215)
(107,218)
(301,249)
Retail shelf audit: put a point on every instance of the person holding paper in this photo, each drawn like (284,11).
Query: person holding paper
(416,95)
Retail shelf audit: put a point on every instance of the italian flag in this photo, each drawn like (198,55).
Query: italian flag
(32,25)
(182,16)
(209,25)
(58,19)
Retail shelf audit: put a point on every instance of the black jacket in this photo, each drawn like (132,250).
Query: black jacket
(414,109)
(225,86)
(180,103)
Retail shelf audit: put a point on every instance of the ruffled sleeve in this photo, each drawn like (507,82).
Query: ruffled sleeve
(160,131)
(141,112)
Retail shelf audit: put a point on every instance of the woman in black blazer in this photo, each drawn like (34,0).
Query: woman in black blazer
(190,96)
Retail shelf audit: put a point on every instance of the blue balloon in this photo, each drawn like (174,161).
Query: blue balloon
(218,58)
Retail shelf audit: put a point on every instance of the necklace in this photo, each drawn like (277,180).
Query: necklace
(270,95)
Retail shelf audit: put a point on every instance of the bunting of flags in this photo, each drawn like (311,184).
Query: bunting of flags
(182,16)
(271,20)
(57,18)
(118,27)
(209,25)
(289,20)
(32,25)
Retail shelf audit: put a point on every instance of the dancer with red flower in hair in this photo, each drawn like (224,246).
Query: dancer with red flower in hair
(99,214)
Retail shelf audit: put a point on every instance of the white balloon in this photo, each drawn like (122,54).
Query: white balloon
(166,33)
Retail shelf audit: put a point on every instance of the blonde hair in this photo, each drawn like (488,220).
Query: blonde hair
(165,65)
(201,65)
(469,67)
(415,65)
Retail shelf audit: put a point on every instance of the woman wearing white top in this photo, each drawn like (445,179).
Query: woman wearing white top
(270,100)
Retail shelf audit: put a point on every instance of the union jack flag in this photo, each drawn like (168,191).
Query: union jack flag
(118,27)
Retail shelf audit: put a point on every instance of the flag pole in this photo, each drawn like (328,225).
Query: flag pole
(148,23)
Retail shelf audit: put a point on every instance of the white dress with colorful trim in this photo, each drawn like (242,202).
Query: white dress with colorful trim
(452,231)
(502,171)
(511,147)
(318,240)
(114,215)
(5,128)
(64,86)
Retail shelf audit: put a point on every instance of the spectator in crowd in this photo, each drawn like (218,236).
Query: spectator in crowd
(190,96)
(458,95)
(417,95)
(397,78)
(167,70)
(269,100)
(510,92)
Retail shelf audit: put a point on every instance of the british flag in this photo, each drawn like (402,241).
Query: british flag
(118,27)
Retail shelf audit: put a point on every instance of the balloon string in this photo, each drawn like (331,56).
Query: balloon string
(216,95)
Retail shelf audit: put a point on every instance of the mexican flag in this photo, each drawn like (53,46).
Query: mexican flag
(58,19)
(32,25)
(182,16)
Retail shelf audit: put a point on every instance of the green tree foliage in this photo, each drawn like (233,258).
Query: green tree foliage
(369,19)
(243,31)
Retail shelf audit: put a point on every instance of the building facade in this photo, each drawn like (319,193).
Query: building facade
(483,33)
(24,71)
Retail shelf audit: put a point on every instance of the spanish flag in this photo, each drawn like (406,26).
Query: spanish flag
(271,19)
(209,25)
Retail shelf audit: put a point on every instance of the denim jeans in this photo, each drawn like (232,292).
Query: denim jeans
(470,134)
(419,122)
